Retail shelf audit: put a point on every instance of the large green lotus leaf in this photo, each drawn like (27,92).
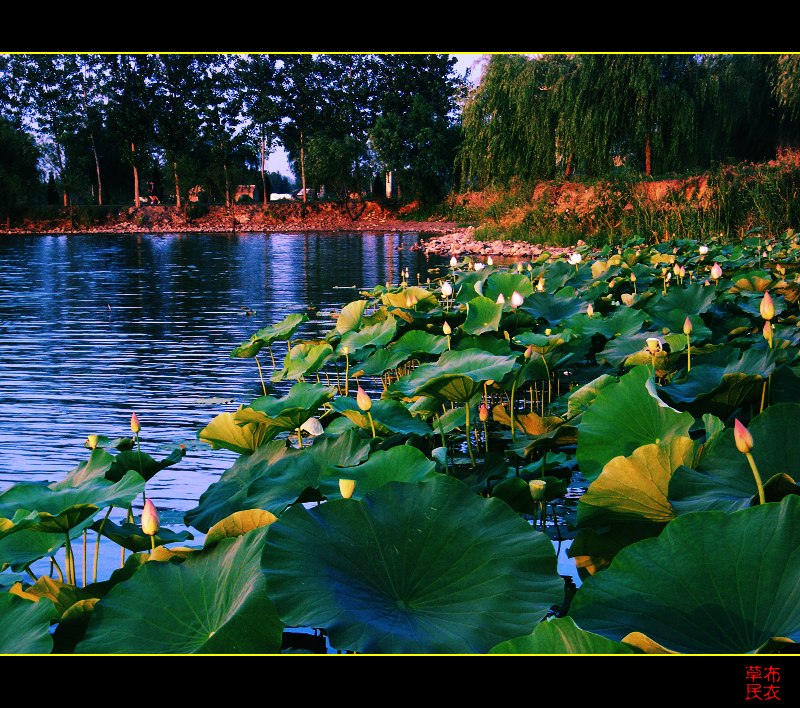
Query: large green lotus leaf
(620,322)
(561,636)
(377,335)
(515,492)
(456,376)
(28,545)
(302,359)
(224,432)
(142,463)
(552,308)
(465,285)
(694,299)
(281,331)
(388,415)
(229,492)
(403,463)
(288,412)
(410,344)
(64,508)
(248,349)
(423,567)
(483,315)
(21,520)
(723,480)
(712,582)
(624,417)
(487,342)
(72,626)
(213,602)
(635,488)
(580,399)
(25,625)
(593,549)
(673,320)
(722,389)
(506,284)
(132,537)
(350,317)
(62,595)
(96,467)
(274,477)
(619,350)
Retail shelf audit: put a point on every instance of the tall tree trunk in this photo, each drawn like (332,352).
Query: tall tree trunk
(97,168)
(568,167)
(303,169)
(61,172)
(177,184)
(227,186)
(388,184)
(647,155)
(263,169)
(136,202)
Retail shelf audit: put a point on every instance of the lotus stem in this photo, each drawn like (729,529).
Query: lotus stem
(511,407)
(299,438)
(69,560)
(531,392)
(97,544)
(84,558)
(139,449)
(469,444)
(761,497)
(444,444)
(260,375)
(31,573)
(152,544)
(372,423)
(688,353)
(54,562)
(346,374)
(271,356)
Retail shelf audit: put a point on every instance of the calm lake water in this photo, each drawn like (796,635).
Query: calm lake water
(94,327)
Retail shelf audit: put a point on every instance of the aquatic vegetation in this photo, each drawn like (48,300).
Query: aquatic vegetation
(627,401)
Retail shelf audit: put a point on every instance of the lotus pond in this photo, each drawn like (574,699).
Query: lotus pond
(397,479)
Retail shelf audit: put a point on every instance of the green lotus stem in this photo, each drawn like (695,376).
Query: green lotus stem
(448,342)
(152,544)
(511,407)
(271,356)
(69,560)
(31,573)
(688,353)
(299,438)
(139,449)
(97,544)
(444,444)
(531,392)
(84,558)
(54,562)
(761,497)
(260,375)
(372,423)
(346,373)
(485,437)
(469,444)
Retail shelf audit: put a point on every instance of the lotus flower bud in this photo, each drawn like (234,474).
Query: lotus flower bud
(501,300)
(409,303)
(540,285)
(479,287)
(313,427)
(519,267)
(483,413)
(575,258)
(767,307)
(590,310)
(767,330)
(682,272)
(447,289)
(633,277)
(453,262)
(363,400)
(653,345)
(529,351)
(530,267)
(347,487)
(687,326)
(716,271)
(447,329)
(548,332)
(150,520)
(345,350)
(742,436)
(91,441)
(516,299)
(479,267)
(703,250)
(627,299)
(135,427)
(676,269)
(537,487)
(490,261)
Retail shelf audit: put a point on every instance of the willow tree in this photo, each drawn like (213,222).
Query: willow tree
(787,83)
(510,120)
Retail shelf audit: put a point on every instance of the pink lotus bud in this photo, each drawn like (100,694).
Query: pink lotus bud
(516,299)
(490,261)
(744,441)
(150,520)
(447,329)
(135,427)
(453,262)
(529,351)
(363,400)
(767,330)
(575,258)
(767,307)
(537,487)
(483,413)
(91,441)
(590,310)
(687,326)
(716,271)
(447,289)
(703,250)
(501,299)
(540,285)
